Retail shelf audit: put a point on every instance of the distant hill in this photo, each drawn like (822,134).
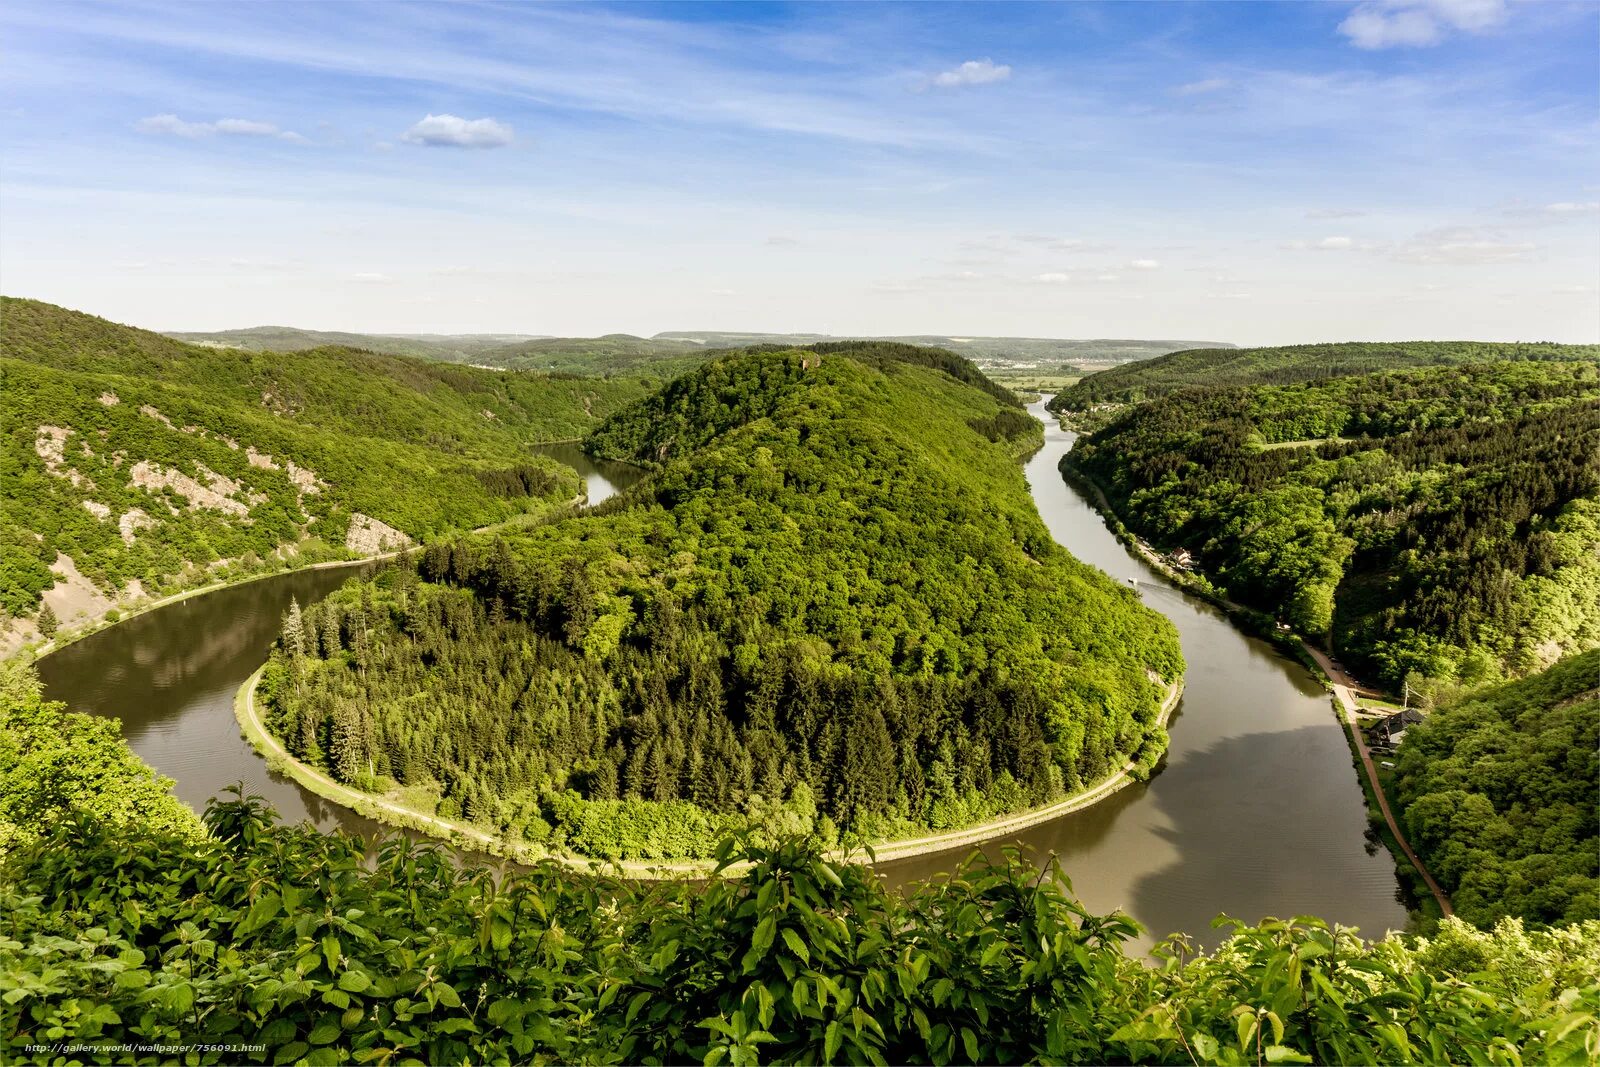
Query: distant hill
(1290,364)
(128,459)
(451,348)
(984,351)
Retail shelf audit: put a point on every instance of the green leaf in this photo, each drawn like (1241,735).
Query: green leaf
(354,982)
(324,1032)
(797,946)
(969,1041)
(831,1040)
(1285,1054)
(330,953)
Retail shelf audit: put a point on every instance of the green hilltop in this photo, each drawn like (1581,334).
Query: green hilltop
(831,605)
(1287,365)
(144,459)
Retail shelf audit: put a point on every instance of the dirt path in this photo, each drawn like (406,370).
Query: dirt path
(1347,716)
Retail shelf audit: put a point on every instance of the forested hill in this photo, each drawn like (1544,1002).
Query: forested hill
(1442,522)
(451,348)
(831,606)
(1158,377)
(128,457)
(1501,796)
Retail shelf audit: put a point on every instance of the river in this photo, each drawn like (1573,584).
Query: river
(1255,811)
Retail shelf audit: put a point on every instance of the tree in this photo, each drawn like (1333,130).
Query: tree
(47,622)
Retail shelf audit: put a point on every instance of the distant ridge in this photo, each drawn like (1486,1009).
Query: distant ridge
(672,352)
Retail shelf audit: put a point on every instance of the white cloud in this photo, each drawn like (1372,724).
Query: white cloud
(450,131)
(1461,246)
(778,240)
(1207,85)
(1108,277)
(173,126)
(371,278)
(1418,23)
(972,72)
(1053,278)
(723,292)
(1335,244)
(1567,209)
(1144,264)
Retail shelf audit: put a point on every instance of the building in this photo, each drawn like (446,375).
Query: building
(1390,730)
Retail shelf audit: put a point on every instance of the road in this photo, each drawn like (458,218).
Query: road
(1347,715)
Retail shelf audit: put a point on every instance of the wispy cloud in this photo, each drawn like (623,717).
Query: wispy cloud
(1461,246)
(450,131)
(172,125)
(1207,85)
(1418,23)
(1568,209)
(972,72)
(1144,264)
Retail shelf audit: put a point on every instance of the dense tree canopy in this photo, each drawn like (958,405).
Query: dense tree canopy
(831,604)
(138,456)
(302,948)
(1501,795)
(55,763)
(1442,521)
(1212,368)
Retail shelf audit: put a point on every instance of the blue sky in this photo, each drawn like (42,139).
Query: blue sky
(1249,172)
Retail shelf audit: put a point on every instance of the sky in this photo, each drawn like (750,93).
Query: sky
(1257,173)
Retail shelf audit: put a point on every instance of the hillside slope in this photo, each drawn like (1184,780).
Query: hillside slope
(1501,796)
(129,458)
(832,605)
(1287,365)
(1443,522)
(449,348)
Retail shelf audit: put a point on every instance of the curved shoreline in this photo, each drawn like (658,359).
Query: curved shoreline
(278,758)
(39,652)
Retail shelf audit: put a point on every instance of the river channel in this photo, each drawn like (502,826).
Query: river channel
(1255,811)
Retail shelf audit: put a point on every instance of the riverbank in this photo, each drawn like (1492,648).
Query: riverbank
(462,835)
(1340,686)
(135,609)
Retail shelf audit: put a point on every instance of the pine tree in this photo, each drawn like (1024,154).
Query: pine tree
(48,623)
(294,630)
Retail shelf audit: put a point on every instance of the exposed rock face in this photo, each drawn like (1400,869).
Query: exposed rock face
(110,400)
(50,443)
(217,495)
(305,479)
(154,413)
(369,537)
(131,523)
(259,459)
(97,509)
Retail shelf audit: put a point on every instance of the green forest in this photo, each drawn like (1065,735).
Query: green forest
(300,947)
(831,605)
(1290,364)
(1438,522)
(1501,796)
(143,458)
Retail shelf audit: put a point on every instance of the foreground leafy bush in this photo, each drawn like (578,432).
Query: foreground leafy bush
(322,953)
